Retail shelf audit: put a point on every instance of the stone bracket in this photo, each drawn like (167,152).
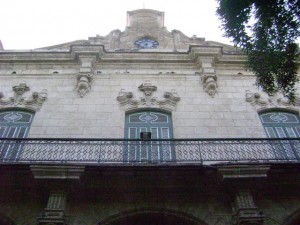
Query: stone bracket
(86,71)
(34,103)
(209,77)
(209,83)
(84,83)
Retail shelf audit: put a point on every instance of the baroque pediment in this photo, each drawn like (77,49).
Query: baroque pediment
(261,102)
(34,102)
(143,23)
(129,102)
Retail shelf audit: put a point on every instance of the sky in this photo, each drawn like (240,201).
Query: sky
(30,24)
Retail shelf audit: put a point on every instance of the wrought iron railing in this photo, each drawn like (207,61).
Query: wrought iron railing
(98,151)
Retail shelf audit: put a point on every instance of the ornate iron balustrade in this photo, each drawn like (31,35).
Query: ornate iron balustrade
(200,151)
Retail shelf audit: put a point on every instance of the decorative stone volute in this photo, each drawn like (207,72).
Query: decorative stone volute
(34,103)
(274,101)
(127,101)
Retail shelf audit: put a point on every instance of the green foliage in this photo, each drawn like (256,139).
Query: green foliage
(266,30)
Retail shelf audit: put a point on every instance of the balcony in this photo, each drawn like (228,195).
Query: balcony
(137,151)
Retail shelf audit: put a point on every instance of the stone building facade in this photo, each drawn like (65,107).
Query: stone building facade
(215,166)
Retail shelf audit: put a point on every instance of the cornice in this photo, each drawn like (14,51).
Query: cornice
(98,51)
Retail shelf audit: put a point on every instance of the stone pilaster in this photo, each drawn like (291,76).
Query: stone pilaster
(54,213)
(245,212)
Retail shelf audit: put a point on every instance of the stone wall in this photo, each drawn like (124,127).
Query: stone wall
(99,115)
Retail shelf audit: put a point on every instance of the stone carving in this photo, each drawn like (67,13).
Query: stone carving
(148,89)
(54,213)
(84,82)
(127,101)
(86,71)
(33,103)
(245,211)
(209,83)
(208,77)
(261,103)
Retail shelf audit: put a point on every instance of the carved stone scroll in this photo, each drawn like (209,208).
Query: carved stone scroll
(128,102)
(34,102)
(261,103)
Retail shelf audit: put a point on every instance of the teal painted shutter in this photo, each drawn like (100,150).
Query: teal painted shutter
(282,125)
(13,124)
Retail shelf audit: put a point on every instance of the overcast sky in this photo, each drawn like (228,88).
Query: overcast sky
(30,24)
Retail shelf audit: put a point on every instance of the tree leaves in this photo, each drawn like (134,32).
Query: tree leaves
(266,30)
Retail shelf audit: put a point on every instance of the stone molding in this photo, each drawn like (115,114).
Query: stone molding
(56,172)
(244,171)
(34,103)
(261,103)
(128,102)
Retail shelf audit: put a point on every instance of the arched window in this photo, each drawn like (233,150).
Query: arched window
(281,124)
(159,124)
(13,124)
